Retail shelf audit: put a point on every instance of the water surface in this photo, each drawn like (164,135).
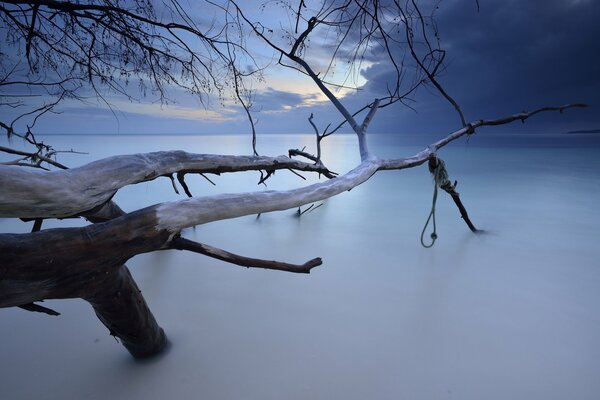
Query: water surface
(512,313)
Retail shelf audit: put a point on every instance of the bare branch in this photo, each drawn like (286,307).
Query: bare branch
(37,308)
(180,243)
(468,130)
(419,61)
(33,194)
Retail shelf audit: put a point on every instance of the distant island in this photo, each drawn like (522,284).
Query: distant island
(585,131)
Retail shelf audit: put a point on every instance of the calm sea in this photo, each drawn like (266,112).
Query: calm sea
(509,314)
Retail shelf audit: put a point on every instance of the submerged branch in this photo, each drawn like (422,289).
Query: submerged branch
(438,170)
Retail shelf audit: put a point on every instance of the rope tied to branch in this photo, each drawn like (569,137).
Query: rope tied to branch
(437,168)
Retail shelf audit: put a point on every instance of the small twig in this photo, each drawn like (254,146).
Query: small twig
(298,14)
(265,176)
(312,207)
(36,158)
(37,308)
(301,153)
(319,137)
(297,174)
(170,176)
(208,179)
(181,179)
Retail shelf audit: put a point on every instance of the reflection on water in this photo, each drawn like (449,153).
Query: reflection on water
(509,314)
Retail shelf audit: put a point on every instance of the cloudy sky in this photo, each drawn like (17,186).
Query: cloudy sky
(510,56)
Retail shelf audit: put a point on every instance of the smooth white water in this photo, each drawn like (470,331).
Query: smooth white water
(510,314)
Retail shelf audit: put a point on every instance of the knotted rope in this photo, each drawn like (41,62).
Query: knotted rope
(440,178)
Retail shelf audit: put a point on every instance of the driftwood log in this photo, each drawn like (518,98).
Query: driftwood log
(89,262)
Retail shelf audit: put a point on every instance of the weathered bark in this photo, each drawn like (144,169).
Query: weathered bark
(88,262)
(70,262)
(120,306)
(64,193)
(28,193)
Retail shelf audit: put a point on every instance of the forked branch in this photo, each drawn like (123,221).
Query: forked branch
(65,193)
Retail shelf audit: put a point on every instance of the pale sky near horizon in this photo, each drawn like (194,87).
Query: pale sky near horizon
(512,55)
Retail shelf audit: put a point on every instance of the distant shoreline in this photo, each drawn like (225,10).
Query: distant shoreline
(489,135)
(586,131)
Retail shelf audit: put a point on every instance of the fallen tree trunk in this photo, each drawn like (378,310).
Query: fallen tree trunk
(88,262)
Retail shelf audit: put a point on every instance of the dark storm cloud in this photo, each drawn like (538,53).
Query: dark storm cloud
(511,56)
